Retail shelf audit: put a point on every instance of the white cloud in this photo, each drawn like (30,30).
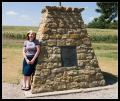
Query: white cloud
(11,13)
(21,17)
(25,17)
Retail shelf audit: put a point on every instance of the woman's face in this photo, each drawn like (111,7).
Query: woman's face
(31,36)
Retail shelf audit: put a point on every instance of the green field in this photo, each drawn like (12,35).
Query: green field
(97,35)
(91,31)
(107,55)
(18,29)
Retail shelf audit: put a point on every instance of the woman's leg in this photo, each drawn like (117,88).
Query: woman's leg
(24,83)
(24,73)
(27,81)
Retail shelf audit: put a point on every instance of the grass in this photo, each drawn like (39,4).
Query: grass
(95,31)
(12,43)
(106,50)
(11,65)
(105,46)
(108,53)
(18,29)
(12,59)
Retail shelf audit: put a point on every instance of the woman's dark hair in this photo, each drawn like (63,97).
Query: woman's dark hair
(28,36)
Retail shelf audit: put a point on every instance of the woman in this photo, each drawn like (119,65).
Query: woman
(31,51)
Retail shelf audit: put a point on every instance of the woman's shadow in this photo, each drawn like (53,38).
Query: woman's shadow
(110,78)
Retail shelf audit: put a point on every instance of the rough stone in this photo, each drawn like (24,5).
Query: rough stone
(81,56)
(52,42)
(61,42)
(64,40)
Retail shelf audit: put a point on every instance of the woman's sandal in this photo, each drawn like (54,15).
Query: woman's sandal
(27,88)
(23,88)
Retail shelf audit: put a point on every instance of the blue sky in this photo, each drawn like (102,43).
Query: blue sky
(29,13)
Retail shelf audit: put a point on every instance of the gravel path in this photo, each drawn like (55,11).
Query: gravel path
(13,91)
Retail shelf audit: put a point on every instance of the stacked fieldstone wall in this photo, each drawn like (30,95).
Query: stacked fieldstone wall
(61,26)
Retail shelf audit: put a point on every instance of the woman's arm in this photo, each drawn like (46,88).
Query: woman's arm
(24,55)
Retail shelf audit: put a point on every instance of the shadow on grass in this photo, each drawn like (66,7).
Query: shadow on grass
(110,78)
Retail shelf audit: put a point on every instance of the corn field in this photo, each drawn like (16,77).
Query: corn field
(13,35)
(104,38)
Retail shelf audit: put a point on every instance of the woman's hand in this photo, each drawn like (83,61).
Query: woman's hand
(28,62)
(32,61)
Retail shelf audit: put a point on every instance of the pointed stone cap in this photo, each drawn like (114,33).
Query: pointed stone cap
(63,9)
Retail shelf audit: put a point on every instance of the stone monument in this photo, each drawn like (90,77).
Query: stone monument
(67,59)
